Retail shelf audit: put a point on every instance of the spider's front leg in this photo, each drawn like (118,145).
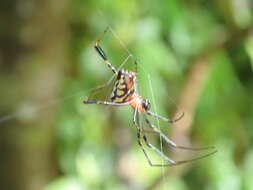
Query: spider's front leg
(141,135)
(102,53)
(106,102)
(98,102)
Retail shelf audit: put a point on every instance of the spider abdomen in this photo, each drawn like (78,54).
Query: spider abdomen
(124,87)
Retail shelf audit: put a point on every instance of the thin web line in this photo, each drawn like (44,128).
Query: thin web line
(152,93)
(158,124)
(170,99)
(120,41)
(37,108)
(115,34)
(41,107)
(176,106)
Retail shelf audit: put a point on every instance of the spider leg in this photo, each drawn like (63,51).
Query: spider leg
(170,161)
(136,66)
(165,119)
(171,143)
(140,136)
(102,53)
(105,102)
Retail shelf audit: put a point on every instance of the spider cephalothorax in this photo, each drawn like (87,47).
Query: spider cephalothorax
(123,93)
(146,104)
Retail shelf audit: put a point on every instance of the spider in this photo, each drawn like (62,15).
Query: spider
(125,93)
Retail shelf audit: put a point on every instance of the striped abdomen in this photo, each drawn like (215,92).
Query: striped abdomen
(124,87)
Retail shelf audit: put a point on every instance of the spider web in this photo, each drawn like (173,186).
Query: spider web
(158,124)
(100,92)
(153,100)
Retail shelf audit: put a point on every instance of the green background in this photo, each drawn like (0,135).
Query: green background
(194,57)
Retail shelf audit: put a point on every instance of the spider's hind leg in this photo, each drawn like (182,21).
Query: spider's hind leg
(102,53)
(174,145)
(171,162)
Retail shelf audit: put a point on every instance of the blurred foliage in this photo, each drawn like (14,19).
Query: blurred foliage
(97,145)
